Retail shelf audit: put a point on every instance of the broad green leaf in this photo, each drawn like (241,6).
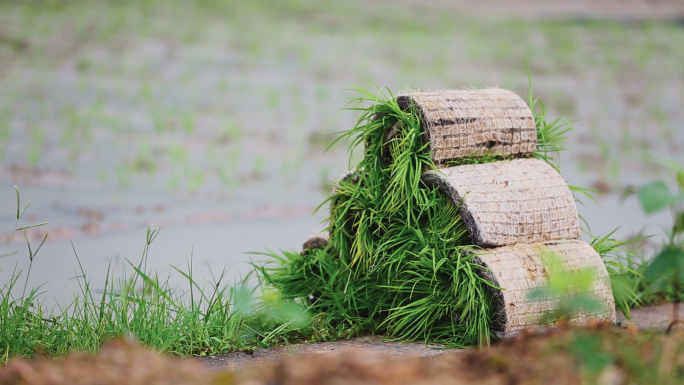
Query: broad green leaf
(670,258)
(584,303)
(659,285)
(655,196)
(679,223)
(588,350)
(680,179)
(539,293)
(623,293)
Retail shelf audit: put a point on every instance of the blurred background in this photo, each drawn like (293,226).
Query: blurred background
(210,118)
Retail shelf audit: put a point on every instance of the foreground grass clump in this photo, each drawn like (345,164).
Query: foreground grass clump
(396,262)
(202,320)
(213,320)
(662,278)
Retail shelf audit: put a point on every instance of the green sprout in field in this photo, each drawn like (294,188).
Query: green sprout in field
(32,253)
(665,272)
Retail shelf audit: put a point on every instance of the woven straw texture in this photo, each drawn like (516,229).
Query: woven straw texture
(316,241)
(509,202)
(462,123)
(519,269)
(354,175)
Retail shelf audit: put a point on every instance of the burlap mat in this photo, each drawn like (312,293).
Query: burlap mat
(519,269)
(462,123)
(509,202)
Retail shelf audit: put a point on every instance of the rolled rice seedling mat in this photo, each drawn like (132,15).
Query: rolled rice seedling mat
(508,202)
(465,123)
(316,241)
(519,269)
(352,176)
(389,266)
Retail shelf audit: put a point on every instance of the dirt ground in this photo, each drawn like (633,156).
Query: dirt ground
(647,318)
(601,354)
(376,344)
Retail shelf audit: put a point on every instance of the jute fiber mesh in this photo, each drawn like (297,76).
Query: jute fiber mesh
(349,175)
(320,240)
(462,123)
(519,269)
(509,202)
(316,241)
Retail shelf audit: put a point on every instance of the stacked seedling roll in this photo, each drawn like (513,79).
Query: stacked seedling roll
(444,176)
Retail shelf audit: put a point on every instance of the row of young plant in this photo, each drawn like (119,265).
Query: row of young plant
(205,318)
(321,295)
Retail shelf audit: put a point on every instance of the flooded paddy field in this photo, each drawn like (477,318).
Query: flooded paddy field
(211,119)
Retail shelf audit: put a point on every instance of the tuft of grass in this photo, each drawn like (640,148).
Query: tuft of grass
(622,269)
(208,318)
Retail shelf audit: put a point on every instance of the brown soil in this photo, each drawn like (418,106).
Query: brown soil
(375,344)
(601,354)
(117,362)
(655,318)
(552,356)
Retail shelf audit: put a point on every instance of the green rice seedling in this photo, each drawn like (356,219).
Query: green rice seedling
(234,154)
(188,123)
(160,124)
(258,167)
(551,136)
(144,161)
(291,165)
(123,175)
(4,133)
(273,98)
(665,272)
(36,148)
(322,93)
(324,177)
(195,180)
(224,84)
(174,180)
(300,111)
(622,269)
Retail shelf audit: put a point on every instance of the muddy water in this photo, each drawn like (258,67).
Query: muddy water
(109,228)
(215,130)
